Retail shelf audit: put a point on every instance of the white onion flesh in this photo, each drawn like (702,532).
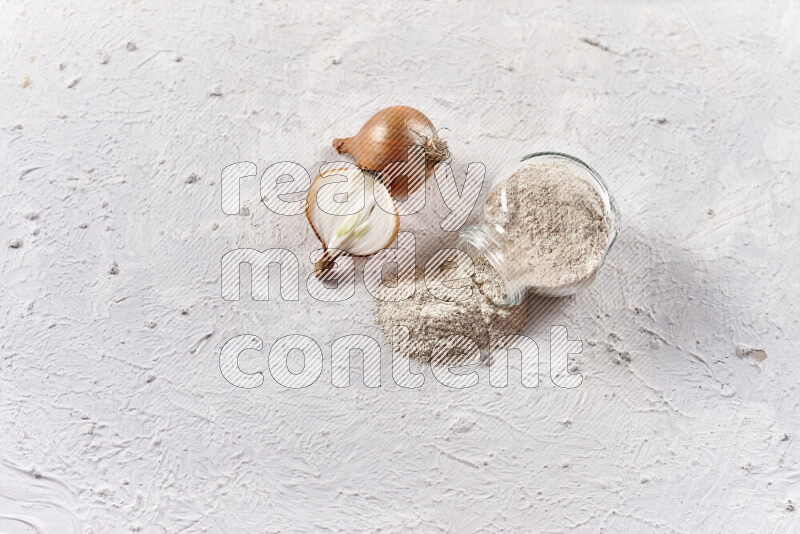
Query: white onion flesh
(346,210)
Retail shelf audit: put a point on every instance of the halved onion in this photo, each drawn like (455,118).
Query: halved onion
(331,200)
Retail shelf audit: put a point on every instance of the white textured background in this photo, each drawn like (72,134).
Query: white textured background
(114,416)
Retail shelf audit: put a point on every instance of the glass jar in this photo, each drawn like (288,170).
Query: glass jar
(491,241)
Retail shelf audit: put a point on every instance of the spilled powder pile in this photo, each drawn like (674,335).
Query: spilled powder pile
(430,319)
(556,220)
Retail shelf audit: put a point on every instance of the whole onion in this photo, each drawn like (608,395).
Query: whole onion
(385,138)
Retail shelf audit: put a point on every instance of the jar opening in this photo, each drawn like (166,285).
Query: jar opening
(479,242)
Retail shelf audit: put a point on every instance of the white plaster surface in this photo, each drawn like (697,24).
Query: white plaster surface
(114,416)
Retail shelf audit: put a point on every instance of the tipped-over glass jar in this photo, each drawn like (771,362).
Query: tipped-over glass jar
(548,228)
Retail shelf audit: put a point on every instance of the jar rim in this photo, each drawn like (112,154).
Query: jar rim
(479,238)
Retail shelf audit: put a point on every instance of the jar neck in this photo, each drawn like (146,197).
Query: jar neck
(489,241)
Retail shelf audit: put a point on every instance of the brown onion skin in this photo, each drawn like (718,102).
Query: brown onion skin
(386,136)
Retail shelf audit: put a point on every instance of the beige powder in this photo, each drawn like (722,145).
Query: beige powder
(430,319)
(556,220)
(559,226)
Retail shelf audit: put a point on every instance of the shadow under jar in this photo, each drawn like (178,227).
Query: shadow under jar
(497,239)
